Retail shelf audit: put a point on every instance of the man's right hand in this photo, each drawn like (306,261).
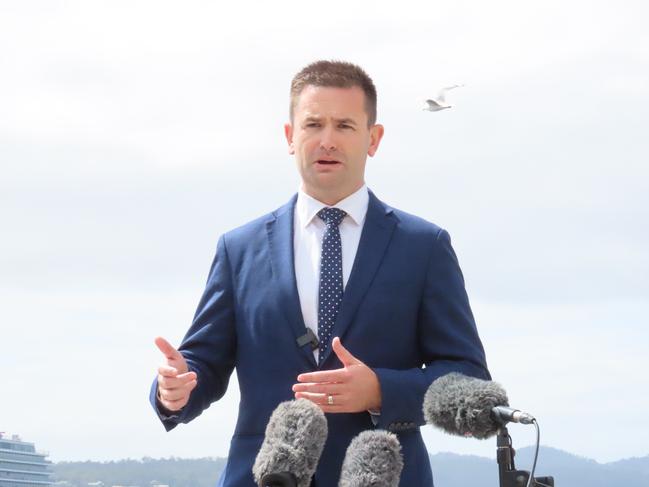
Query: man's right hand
(175,382)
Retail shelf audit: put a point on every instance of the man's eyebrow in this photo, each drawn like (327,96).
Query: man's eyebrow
(316,118)
(349,121)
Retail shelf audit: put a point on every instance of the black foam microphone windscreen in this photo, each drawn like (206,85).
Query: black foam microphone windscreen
(373,459)
(462,405)
(295,437)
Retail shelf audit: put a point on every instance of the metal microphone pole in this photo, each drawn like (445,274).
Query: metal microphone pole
(509,476)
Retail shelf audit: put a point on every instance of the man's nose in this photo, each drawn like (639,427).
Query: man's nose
(328,140)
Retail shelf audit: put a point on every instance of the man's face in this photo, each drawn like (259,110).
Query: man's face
(330,139)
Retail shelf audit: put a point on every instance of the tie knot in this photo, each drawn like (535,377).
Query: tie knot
(332,216)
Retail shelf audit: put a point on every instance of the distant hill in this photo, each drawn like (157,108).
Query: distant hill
(568,470)
(639,466)
(175,472)
(449,470)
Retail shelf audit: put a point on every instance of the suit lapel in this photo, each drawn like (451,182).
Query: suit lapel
(280,240)
(376,234)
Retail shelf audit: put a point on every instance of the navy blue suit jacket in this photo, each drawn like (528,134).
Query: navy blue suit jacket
(405,313)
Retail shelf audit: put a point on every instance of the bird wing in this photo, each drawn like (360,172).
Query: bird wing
(433,104)
(441,97)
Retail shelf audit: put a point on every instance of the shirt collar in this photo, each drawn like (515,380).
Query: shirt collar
(355,205)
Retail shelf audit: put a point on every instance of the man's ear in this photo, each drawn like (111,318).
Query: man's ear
(288,132)
(376,134)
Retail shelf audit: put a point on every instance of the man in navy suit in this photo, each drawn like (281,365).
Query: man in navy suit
(333,263)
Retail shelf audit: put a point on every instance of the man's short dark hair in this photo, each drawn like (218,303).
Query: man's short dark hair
(337,74)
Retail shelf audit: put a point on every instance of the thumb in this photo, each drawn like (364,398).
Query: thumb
(343,354)
(167,349)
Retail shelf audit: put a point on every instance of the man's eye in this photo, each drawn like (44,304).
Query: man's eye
(345,126)
(313,124)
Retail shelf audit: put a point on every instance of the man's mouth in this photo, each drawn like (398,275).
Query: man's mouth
(327,162)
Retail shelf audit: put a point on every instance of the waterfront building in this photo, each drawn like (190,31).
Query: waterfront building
(21,465)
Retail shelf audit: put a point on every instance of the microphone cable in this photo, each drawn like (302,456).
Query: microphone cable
(536,456)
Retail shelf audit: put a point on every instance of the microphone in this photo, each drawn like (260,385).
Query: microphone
(504,415)
(466,406)
(373,459)
(295,436)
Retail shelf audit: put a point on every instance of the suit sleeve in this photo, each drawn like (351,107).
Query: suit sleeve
(448,340)
(209,346)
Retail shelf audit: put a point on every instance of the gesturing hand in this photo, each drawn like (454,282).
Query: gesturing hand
(175,382)
(352,389)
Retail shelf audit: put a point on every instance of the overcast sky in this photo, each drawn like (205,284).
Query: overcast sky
(134,133)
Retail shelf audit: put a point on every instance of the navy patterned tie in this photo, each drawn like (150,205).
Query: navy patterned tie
(330,293)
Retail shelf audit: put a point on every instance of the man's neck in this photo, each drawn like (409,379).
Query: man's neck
(330,199)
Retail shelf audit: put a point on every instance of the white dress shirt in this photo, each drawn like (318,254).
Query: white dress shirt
(307,245)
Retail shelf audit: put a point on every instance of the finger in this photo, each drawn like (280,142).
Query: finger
(326,408)
(167,371)
(338,375)
(319,388)
(178,393)
(333,408)
(172,393)
(343,354)
(174,405)
(175,382)
(188,376)
(321,399)
(167,349)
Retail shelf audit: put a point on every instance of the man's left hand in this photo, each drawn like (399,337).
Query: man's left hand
(352,389)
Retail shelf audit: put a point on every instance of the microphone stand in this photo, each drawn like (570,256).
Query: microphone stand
(509,476)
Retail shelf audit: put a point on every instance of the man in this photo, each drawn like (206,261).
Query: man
(381,289)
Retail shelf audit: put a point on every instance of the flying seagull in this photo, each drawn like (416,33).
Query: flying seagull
(439,103)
